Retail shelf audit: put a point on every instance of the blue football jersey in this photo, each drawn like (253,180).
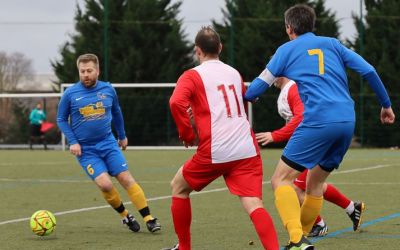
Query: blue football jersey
(318,65)
(91,111)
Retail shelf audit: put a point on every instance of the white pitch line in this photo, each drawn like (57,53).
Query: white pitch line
(71,181)
(45,180)
(34,163)
(365,183)
(198,193)
(363,169)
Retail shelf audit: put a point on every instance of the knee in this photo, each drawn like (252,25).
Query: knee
(275,181)
(125,179)
(179,188)
(175,187)
(251,203)
(106,187)
(314,188)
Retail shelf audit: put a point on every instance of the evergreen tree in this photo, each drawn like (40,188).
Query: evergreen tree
(251,32)
(380,47)
(145,44)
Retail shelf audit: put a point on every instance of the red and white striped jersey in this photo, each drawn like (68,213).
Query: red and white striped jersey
(291,109)
(214,91)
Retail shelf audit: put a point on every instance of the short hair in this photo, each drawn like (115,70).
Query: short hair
(301,18)
(208,40)
(87,58)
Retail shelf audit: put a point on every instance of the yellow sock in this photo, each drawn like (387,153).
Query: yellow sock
(112,197)
(288,206)
(309,211)
(138,198)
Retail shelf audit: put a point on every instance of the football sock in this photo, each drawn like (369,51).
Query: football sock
(320,223)
(182,216)
(309,211)
(264,226)
(336,197)
(318,220)
(288,206)
(112,197)
(136,195)
(350,208)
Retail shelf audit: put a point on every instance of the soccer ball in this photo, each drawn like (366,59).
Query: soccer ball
(43,223)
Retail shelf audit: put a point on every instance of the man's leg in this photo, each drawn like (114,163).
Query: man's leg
(262,222)
(286,200)
(43,139)
(181,209)
(111,195)
(138,198)
(31,138)
(314,197)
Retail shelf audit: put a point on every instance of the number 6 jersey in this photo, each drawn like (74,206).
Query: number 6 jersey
(214,91)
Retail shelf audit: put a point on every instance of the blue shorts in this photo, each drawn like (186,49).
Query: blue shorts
(105,156)
(323,145)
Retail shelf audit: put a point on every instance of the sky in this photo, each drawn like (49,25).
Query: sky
(39,28)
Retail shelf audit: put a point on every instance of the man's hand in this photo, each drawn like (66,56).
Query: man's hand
(264,138)
(387,116)
(123,143)
(75,149)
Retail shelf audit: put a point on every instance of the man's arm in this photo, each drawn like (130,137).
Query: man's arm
(366,70)
(62,119)
(297,108)
(284,133)
(259,85)
(117,118)
(179,104)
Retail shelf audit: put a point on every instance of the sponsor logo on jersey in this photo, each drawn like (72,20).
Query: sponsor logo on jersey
(93,111)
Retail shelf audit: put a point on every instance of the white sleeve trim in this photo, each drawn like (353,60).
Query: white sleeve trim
(267,77)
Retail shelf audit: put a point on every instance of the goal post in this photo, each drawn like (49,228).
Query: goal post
(145,106)
(127,108)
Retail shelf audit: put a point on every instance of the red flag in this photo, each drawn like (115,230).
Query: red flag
(46,126)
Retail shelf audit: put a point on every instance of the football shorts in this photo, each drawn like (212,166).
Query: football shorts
(324,145)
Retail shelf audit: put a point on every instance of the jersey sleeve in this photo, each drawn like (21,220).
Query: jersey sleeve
(117,118)
(297,108)
(180,102)
(354,61)
(62,118)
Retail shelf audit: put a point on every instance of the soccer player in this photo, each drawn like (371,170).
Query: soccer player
(36,118)
(226,143)
(290,108)
(91,106)
(318,66)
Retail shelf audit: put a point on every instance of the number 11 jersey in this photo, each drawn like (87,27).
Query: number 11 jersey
(214,91)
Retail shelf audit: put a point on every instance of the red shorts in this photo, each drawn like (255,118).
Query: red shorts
(301,180)
(242,177)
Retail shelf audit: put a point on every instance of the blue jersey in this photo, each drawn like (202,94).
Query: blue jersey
(318,65)
(91,111)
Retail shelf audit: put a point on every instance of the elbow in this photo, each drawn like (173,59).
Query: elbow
(172,104)
(370,70)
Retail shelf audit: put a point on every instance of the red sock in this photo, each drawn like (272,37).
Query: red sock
(335,196)
(265,229)
(182,217)
(318,219)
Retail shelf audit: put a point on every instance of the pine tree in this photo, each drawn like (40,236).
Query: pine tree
(146,43)
(380,47)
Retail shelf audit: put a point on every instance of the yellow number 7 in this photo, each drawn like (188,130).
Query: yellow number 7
(320,55)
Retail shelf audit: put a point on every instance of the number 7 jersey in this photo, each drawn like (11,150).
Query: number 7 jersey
(214,91)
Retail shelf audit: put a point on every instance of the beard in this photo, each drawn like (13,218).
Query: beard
(88,83)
